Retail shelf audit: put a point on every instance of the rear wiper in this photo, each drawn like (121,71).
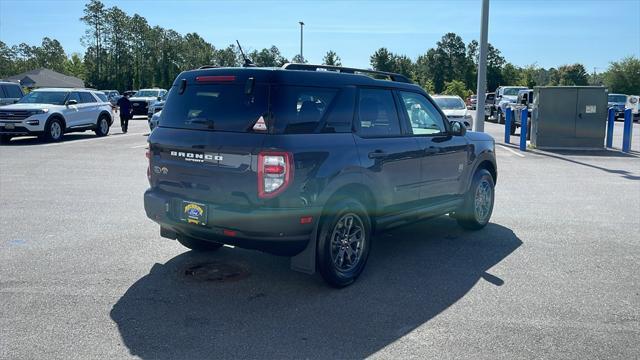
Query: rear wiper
(207,122)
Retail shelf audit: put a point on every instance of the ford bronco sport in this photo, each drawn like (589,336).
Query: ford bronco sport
(309,161)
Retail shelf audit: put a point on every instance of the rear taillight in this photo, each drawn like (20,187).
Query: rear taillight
(275,172)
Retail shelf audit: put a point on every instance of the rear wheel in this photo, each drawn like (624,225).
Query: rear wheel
(344,242)
(54,130)
(102,127)
(198,245)
(478,203)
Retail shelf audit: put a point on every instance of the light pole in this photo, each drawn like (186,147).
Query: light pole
(301,57)
(478,124)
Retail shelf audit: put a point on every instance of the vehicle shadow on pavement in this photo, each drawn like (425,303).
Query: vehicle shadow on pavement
(562,155)
(413,274)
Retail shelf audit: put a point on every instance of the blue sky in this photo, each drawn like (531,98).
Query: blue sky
(545,32)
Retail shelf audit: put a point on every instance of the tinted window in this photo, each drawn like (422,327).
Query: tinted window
(3,93)
(377,114)
(44,97)
(299,110)
(450,103)
(102,97)
(12,91)
(424,117)
(215,107)
(87,98)
(74,96)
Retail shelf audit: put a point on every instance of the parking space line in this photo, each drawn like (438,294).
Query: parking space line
(93,139)
(139,146)
(511,150)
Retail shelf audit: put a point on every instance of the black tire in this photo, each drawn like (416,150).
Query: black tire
(512,131)
(4,139)
(54,130)
(500,117)
(467,216)
(529,129)
(351,251)
(102,126)
(199,245)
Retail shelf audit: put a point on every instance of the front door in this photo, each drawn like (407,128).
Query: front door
(391,158)
(445,156)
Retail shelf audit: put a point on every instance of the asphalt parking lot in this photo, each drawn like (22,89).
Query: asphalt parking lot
(84,274)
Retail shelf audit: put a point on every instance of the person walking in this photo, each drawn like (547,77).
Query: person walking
(125,112)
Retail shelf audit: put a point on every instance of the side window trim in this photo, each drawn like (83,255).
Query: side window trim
(357,113)
(445,120)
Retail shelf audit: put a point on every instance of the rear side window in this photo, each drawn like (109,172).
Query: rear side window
(102,97)
(85,97)
(12,91)
(377,114)
(219,107)
(300,109)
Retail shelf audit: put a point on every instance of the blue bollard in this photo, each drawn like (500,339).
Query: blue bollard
(507,125)
(628,130)
(610,125)
(524,117)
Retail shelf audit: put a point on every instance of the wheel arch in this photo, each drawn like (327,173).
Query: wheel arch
(356,191)
(59,117)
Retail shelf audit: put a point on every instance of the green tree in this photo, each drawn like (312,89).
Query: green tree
(50,55)
(228,57)
(74,66)
(573,75)
(382,60)
(270,57)
(297,59)
(624,76)
(94,18)
(332,59)
(456,87)
(6,60)
(510,74)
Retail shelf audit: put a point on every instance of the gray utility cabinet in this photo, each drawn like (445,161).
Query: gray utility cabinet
(570,117)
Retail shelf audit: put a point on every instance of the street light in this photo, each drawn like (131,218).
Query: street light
(481,91)
(301,57)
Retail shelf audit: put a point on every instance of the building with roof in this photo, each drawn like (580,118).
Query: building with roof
(42,77)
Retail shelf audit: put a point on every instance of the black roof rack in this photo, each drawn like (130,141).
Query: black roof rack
(346,70)
(208,67)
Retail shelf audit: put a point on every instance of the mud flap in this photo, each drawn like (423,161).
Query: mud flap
(306,260)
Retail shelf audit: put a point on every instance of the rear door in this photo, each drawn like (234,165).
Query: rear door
(205,148)
(392,159)
(445,157)
(88,108)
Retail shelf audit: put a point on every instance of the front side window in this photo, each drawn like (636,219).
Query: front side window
(424,118)
(377,114)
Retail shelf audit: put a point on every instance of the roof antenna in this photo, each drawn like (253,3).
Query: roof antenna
(247,62)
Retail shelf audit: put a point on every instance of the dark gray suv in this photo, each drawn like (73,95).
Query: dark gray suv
(309,161)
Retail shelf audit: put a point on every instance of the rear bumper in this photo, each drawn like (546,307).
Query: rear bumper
(272,230)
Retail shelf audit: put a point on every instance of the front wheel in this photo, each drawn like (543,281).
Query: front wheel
(54,130)
(478,203)
(102,127)
(344,241)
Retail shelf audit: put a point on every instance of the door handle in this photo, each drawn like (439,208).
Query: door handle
(377,154)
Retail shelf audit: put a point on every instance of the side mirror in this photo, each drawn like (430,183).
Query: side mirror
(72,102)
(458,128)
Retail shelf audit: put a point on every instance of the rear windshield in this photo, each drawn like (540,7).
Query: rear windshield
(227,107)
(218,107)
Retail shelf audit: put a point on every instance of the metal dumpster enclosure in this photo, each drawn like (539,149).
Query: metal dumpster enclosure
(569,117)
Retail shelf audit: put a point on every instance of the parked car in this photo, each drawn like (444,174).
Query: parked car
(154,120)
(633,103)
(143,98)
(129,93)
(505,96)
(489,103)
(50,113)
(10,92)
(309,164)
(112,95)
(524,100)
(455,109)
(618,103)
(156,106)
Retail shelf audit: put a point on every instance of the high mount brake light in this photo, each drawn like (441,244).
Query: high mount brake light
(215,79)
(275,173)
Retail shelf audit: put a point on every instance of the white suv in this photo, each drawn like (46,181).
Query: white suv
(49,113)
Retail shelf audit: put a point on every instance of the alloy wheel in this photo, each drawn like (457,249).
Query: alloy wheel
(347,242)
